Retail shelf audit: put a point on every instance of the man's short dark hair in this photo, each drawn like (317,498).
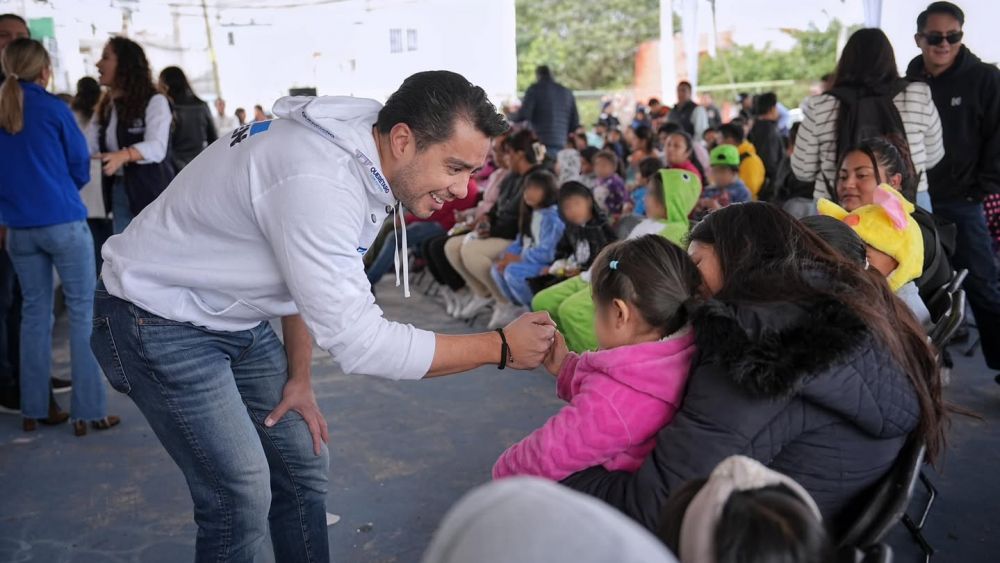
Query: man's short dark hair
(543,71)
(430,102)
(946,8)
(765,102)
(14,17)
(733,131)
(668,128)
(684,83)
(649,166)
(654,101)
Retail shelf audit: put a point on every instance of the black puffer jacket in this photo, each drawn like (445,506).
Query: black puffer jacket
(806,390)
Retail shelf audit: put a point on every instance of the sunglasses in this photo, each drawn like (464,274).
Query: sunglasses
(937,38)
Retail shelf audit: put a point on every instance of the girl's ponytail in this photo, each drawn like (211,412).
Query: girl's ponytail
(23,59)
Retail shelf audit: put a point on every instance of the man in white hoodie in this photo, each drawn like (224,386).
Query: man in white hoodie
(272,221)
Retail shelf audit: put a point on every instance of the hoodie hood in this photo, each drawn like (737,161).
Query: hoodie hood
(658,369)
(347,123)
(681,190)
(965,60)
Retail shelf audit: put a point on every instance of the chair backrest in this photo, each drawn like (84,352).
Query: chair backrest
(888,499)
(941,302)
(945,329)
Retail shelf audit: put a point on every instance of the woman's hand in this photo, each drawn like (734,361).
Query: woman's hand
(557,355)
(529,338)
(113,161)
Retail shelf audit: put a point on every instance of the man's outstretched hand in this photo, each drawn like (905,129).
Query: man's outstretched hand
(530,337)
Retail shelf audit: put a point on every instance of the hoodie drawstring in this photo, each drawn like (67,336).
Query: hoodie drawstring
(397,210)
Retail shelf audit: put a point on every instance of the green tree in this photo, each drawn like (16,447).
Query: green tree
(588,44)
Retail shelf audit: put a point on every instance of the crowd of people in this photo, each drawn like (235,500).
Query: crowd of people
(743,305)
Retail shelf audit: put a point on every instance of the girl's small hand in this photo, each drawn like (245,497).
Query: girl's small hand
(557,355)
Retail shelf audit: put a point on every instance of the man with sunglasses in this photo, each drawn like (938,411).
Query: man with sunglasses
(966,92)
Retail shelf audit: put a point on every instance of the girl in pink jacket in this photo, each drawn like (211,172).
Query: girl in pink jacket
(622,395)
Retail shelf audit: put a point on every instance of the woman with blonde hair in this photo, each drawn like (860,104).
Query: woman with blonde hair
(46,164)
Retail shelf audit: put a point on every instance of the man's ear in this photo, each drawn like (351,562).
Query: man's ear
(401,140)
(916,39)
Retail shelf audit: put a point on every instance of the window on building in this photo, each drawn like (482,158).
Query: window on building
(395,40)
(411,40)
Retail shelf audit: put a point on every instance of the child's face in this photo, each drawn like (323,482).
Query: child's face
(677,151)
(534,195)
(654,209)
(708,264)
(577,210)
(603,168)
(881,261)
(723,175)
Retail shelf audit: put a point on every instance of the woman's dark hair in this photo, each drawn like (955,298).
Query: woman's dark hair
(430,102)
(893,155)
(838,235)
(733,130)
(132,78)
(652,273)
(647,141)
(550,187)
(88,94)
(525,142)
(867,61)
(689,142)
(589,153)
(770,524)
(178,88)
(767,256)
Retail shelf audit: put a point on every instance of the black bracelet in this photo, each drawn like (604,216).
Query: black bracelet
(504,349)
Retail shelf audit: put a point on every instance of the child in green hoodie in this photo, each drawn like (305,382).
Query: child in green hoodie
(671,197)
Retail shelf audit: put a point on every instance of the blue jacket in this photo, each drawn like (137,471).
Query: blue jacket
(543,250)
(43,167)
(551,109)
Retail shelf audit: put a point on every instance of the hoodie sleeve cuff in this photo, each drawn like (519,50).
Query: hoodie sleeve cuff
(420,355)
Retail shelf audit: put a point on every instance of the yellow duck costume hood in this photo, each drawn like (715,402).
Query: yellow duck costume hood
(887,226)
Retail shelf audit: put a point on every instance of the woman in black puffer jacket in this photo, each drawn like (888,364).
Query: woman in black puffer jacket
(805,362)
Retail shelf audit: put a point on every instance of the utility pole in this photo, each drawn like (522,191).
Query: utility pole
(211,50)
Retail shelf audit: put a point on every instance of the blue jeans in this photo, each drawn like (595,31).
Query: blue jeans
(206,393)
(121,213)
(513,282)
(924,200)
(70,248)
(416,234)
(973,251)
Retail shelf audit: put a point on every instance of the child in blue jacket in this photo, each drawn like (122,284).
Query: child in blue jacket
(539,230)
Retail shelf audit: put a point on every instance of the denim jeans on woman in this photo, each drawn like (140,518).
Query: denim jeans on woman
(206,393)
(68,247)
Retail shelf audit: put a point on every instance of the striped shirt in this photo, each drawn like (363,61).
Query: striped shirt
(815,157)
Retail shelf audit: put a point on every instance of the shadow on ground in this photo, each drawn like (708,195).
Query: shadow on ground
(401,454)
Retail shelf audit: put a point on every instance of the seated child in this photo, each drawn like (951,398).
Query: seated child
(726,185)
(609,191)
(587,231)
(670,199)
(745,512)
(648,167)
(895,243)
(587,175)
(539,229)
(621,395)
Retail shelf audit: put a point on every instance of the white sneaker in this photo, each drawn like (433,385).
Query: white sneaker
(449,299)
(503,315)
(474,306)
(462,298)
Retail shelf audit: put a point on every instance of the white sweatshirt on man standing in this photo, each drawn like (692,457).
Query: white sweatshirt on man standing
(270,221)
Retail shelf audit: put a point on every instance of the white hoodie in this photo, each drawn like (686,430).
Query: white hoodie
(273,220)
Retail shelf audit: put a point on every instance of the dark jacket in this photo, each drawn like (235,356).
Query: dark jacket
(769,144)
(194,129)
(551,109)
(681,115)
(805,389)
(507,210)
(143,182)
(785,185)
(967,97)
(585,242)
